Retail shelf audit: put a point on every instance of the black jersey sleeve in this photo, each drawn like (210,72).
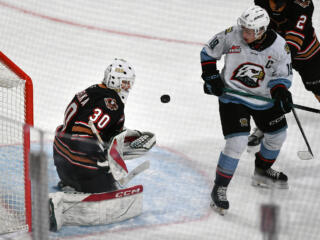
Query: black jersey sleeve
(300,32)
(261,3)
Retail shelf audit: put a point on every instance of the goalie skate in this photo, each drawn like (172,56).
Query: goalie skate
(269,178)
(219,203)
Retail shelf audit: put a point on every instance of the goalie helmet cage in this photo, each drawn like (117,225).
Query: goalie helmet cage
(16,106)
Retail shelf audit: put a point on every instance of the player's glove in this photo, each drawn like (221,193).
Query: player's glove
(213,84)
(282,97)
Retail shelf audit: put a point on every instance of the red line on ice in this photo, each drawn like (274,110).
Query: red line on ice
(95,28)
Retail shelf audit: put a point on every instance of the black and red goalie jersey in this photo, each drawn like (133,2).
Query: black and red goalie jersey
(74,140)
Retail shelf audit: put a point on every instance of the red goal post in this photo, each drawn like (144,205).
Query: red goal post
(16,116)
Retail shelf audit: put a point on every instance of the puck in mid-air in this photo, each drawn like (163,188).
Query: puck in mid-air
(165,98)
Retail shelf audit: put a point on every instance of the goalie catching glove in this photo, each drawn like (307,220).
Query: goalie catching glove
(137,143)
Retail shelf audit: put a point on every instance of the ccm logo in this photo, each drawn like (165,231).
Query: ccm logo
(112,195)
(128,192)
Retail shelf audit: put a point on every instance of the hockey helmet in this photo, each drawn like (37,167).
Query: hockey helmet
(120,77)
(255,18)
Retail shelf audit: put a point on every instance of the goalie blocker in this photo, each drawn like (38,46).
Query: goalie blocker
(84,209)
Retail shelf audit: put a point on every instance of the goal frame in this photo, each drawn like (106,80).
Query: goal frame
(28,118)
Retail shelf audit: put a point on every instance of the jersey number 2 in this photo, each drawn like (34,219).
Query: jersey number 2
(302,20)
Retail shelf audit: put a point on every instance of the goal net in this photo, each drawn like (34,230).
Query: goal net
(16,114)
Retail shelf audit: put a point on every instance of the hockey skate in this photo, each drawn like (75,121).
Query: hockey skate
(255,138)
(219,199)
(269,178)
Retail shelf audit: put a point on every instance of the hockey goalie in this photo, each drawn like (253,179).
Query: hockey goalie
(89,152)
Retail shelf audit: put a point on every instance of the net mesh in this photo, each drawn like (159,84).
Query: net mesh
(12,187)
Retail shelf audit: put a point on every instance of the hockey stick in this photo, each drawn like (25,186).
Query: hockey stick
(137,170)
(269,100)
(303,155)
(95,132)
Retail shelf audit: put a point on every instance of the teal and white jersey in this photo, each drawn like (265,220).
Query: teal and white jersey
(248,70)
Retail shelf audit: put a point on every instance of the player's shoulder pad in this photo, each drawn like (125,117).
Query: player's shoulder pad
(228,30)
(298,7)
(280,47)
(302,4)
(287,48)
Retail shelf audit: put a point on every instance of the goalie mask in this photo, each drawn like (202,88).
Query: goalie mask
(120,77)
(255,18)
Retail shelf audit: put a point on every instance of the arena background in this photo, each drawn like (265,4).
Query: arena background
(65,46)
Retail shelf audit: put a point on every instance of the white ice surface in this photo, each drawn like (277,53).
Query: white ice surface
(65,46)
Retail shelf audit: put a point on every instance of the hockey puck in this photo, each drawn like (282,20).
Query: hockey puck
(165,98)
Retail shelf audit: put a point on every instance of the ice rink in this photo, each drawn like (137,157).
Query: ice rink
(65,46)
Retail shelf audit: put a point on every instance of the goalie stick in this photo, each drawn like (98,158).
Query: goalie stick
(303,155)
(137,170)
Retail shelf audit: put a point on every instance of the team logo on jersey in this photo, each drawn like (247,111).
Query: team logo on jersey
(111,104)
(303,3)
(235,49)
(243,122)
(249,74)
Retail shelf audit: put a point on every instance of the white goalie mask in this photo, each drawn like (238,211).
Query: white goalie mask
(255,18)
(120,77)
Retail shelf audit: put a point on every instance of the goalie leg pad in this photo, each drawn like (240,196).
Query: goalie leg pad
(55,211)
(80,209)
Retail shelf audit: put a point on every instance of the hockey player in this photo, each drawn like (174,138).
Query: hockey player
(292,19)
(257,61)
(84,166)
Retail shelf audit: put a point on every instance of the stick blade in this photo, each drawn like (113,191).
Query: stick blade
(305,155)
